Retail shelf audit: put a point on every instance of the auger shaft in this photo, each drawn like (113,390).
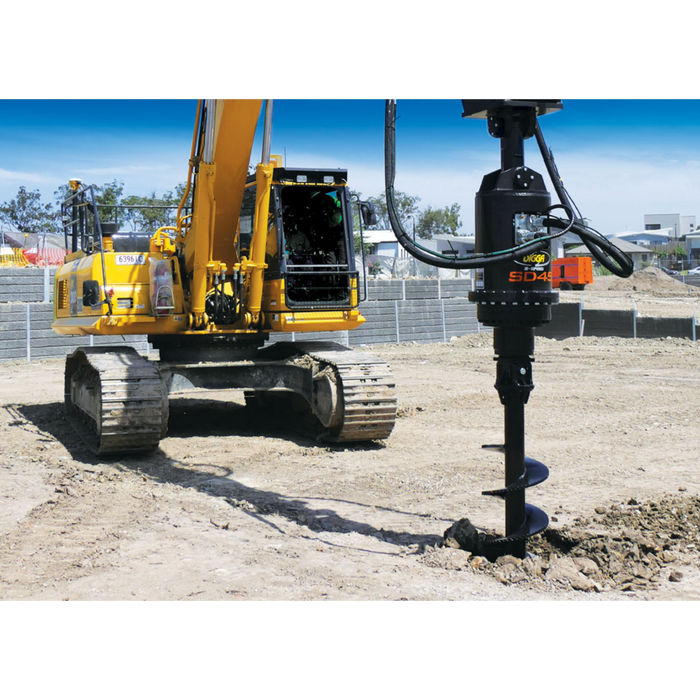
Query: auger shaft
(514,383)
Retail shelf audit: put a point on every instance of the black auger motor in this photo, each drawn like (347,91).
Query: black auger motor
(514,230)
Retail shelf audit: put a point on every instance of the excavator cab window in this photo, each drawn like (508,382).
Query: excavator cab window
(315,243)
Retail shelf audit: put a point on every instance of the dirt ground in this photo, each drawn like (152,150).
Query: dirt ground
(241,505)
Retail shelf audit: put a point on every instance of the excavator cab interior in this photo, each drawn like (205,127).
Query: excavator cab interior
(315,245)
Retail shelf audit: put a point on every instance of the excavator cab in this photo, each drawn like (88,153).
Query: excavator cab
(309,249)
(314,239)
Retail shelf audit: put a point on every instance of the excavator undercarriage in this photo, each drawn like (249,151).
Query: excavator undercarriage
(118,401)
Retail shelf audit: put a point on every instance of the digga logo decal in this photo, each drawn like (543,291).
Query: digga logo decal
(535,260)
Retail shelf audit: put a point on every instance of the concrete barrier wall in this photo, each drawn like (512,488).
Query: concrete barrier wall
(26,333)
(400,290)
(608,323)
(570,320)
(665,327)
(397,311)
(421,311)
(399,321)
(565,323)
(26,284)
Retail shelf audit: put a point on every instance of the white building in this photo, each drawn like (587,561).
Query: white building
(693,243)
(385,243)
(447,244)
(679,225)
(650,237)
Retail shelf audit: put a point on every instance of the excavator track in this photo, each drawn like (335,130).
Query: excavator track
(115,400)
(365,393)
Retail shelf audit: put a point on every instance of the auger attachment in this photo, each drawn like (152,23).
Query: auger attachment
(514,348)
(514,231)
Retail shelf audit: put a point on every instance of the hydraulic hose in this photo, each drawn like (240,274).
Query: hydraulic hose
(419,252)
(606,253)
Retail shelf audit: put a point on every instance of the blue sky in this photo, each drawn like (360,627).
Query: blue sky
(619,159)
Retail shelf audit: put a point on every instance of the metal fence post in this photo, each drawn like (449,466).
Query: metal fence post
(29,333)
(47,281)
(444,329)
(396,313)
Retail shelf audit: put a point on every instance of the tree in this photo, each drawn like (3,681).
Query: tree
(678,251)
(435,221)
(406,207)
(27,214)
(107,197)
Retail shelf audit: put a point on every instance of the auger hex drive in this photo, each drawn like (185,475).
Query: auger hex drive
(515,224)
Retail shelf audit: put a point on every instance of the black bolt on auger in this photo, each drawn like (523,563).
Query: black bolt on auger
(514,230)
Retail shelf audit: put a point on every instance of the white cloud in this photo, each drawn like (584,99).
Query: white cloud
(616,191)
(24,178)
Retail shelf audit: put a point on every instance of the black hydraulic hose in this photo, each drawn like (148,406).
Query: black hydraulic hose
(424,254)
(606,253)
(554,176)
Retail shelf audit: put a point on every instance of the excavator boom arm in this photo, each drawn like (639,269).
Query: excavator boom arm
(225,138)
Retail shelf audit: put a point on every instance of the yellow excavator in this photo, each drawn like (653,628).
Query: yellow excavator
(247,255)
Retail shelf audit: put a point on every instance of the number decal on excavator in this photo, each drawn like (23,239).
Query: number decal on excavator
(530,276)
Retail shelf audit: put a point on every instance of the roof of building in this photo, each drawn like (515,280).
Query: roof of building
(621,243)
(29,240)
(659,233)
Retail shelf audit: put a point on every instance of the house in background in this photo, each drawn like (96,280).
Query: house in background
(384,243)
(692,242)
(641,257)
(446,244)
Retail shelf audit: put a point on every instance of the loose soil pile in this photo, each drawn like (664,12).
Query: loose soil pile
(649,280)
(626,547)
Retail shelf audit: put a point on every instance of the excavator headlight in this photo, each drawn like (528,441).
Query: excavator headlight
(301,178)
